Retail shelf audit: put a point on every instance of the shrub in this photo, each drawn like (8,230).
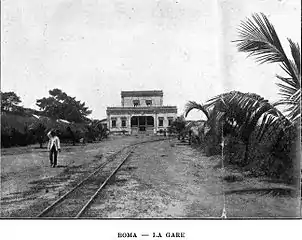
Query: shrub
(17,130)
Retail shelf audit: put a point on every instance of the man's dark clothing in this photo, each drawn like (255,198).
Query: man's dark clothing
(53,154)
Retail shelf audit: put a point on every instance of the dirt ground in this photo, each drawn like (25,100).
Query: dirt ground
(160,180)
(28,183)
(172,180)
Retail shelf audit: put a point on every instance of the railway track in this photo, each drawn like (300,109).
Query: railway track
(75,202)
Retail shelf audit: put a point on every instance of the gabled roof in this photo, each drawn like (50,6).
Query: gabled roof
(151,93)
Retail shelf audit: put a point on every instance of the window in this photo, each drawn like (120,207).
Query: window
(134,121)
(149,102)
(136,103)
(113,123)
(170,120)
(160,121)
(150,121)
(123,122)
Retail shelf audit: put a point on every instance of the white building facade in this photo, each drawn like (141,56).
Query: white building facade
(140,112)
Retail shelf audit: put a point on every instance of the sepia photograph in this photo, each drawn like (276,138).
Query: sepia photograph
(150,110)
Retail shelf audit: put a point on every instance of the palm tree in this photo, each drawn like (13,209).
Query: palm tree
(257,36)
(240,114)
(245,113)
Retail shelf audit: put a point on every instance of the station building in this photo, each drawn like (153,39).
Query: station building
(140,112)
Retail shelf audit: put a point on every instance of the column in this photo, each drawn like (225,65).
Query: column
(108,122)
(129,123)
(155,123)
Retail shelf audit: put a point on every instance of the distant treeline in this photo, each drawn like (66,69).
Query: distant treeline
(23,126)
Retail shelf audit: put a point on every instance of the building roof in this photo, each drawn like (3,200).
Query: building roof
(141,110)
(151,93)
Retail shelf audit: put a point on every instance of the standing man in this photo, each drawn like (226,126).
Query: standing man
(53,148)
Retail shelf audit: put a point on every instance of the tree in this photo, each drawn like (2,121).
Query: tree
(242,114)
(257,36)
(39,132)
(10,101)
(178,125)
(239,114)
(61,106)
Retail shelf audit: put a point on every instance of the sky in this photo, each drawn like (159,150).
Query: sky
(94,49)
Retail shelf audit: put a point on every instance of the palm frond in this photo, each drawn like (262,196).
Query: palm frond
(290,92)
(194,105)
(246,110)
(259,38)
(295,50)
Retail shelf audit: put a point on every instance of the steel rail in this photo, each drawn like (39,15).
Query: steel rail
(103,185)
(50,207)
(63,197)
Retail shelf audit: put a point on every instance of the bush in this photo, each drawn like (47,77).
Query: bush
(17,130)
(276,155)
